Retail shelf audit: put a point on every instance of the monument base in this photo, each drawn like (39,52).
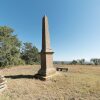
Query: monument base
(48,72)
(43,75)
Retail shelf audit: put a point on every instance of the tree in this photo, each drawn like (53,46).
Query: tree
(74,62)
(62,62)
(30,54)
(9,47)
(81,61)
(95,61)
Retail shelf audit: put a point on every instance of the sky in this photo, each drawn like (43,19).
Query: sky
(74,25)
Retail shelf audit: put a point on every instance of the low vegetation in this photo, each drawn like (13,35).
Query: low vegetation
(81,82)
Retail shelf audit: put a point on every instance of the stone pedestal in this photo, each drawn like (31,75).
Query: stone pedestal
(46,64)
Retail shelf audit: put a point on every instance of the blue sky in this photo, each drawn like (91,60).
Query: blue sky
(74,25)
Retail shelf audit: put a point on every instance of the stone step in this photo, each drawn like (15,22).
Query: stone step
(3,78)
(2,86)
(2,89)
(3,82)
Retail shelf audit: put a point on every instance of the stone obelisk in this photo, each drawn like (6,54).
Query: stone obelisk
(46,52)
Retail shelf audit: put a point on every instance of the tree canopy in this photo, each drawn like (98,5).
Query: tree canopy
(30,54)
(10,49)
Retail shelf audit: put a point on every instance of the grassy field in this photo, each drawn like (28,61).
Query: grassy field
(79,83)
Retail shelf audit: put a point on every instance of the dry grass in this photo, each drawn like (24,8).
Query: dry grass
(79,83)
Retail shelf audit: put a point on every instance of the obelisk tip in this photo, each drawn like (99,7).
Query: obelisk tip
(45,16)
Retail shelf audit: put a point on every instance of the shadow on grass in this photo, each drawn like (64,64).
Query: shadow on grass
(36,76)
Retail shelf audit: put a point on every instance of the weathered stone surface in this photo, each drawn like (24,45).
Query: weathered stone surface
(3,85)
(46,52)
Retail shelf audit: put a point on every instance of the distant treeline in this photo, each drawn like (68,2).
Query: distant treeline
(93,61)
(14,52)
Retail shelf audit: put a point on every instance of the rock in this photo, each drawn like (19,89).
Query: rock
(3,85)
